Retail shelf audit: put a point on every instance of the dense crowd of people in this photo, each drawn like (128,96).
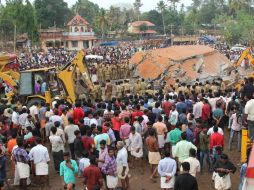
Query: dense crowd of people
(177,130)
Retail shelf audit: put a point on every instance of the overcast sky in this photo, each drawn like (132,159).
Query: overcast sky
(147,4)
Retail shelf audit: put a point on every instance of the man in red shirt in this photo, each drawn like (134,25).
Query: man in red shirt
(88,142)
(78,113)
(167,105)
(92,175)
(116,124)
(206,111)
(216,139)
(137,113)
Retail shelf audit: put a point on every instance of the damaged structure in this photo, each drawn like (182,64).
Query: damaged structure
(186,63)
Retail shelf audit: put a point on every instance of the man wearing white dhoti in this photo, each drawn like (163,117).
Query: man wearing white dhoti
(136,147)
(222,170)
(40,157)
(167,170)
(122,165)
(21,160)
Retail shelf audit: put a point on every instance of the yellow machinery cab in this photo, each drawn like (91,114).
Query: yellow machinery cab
(68,82)
(43,76)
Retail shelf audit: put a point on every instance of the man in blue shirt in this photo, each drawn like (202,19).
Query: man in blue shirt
(180,106)
(190,133)
(167,170)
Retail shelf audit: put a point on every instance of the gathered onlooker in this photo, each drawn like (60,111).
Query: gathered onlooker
(57,148)
(70,136)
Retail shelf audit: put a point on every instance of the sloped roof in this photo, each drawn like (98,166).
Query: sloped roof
(144,22)
(78,21)
(183,62)
(144,32)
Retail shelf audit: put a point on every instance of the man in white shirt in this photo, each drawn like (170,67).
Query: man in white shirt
(83,164)
(57,147)
(212,101)
(249,111)
(173,116)
(122,165)
(93,121)
(210,131)
(87,121)
(197,108)
(136,146)
(15,118)
(23,118)
(194,163)
(70,136)
(56,117)
(40,157)
(34,111)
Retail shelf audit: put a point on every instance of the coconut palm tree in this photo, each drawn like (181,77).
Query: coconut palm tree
(137,5)
(161,6)
(236,5)
(102,22)
(173,3)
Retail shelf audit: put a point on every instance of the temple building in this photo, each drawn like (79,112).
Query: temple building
(78,35)
(143,28)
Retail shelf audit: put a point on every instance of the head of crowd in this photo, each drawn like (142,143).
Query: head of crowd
(137,123)
(127,124)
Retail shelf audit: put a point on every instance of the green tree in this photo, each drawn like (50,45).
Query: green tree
(155,17)
(87,10)
(50,13)
(102,22)
(173,3)
(127,16)
(21,15)
(161,6)
(137,5)
(196,4)
(114,18)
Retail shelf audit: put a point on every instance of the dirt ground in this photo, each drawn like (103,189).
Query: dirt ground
(142,182)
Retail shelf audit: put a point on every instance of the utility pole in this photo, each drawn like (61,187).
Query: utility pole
(182,33)
(14,40)
(171,34)
(55,34)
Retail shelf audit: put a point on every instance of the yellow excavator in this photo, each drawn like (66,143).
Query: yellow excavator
(44,84)
(8,72)
(246,142)
(68,82)
(248,53)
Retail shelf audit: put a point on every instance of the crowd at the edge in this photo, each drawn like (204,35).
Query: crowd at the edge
(178,131)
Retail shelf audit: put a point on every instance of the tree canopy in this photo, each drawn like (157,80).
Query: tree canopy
(232,18)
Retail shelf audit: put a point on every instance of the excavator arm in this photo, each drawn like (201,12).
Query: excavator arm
(67,76)
(246,54)
(8,79)
(9,76)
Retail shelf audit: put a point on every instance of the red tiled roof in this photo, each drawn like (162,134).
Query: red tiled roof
(78,20)
(139,23)
(145,32)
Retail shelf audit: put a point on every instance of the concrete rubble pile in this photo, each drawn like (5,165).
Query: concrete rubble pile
(186,63)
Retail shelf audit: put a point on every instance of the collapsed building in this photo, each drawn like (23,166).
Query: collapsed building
(186,63)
